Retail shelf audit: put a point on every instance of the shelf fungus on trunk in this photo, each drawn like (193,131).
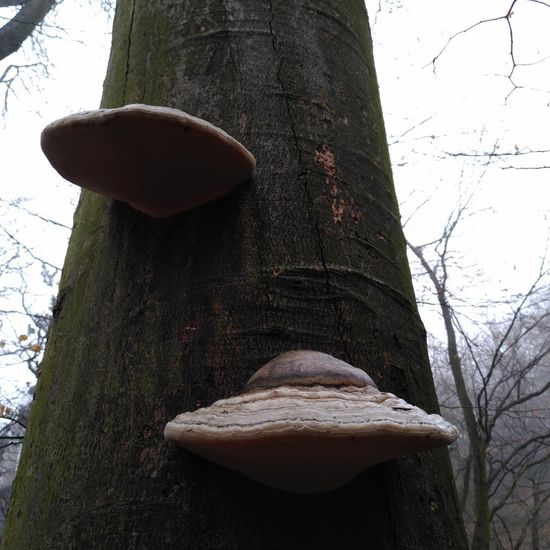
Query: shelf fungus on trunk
(159,160)
(307,423)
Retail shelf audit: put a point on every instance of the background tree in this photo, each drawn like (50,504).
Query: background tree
(26,20)
(154,317)
(24,321)
(23,19)
(500,371)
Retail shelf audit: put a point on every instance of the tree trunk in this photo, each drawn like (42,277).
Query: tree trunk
(156,317)
(466,483)
(535,525)
(476,441)
(478,449)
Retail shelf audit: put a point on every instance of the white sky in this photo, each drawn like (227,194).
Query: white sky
(464,102)
(470,110)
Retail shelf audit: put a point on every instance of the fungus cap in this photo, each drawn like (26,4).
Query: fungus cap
(307,368)
(159,160)
(308,438)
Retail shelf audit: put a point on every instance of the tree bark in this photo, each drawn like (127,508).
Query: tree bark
(156,317)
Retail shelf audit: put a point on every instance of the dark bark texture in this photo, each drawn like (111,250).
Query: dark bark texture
(156,317)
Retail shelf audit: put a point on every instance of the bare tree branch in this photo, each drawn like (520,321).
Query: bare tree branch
(29,251)
(12,3)
(506,17)
(20,27)
(16,204)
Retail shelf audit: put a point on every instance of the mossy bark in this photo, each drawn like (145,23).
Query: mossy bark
(156,317)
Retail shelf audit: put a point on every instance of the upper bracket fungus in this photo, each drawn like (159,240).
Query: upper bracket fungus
(159,160)
(308,423)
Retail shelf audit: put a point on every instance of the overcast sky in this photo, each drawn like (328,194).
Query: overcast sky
(465,105)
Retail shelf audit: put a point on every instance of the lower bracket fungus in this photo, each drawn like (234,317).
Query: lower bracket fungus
(308,423)
(159,160)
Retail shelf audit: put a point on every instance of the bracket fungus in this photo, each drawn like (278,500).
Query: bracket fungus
(161,161)
(308,423)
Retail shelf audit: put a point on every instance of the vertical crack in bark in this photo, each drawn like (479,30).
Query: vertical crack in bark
(303,173)
(238,97)
(233,58)
(128,49)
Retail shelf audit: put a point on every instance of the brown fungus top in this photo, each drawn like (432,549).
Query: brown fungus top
(159,160)
(305,436)
(307,368)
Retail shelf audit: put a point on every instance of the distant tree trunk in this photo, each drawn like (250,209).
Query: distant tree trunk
(466,483)
(155,317)
(477,447)
(535,525)
(476,441)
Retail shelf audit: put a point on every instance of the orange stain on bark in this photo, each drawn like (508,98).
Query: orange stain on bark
(326,159)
